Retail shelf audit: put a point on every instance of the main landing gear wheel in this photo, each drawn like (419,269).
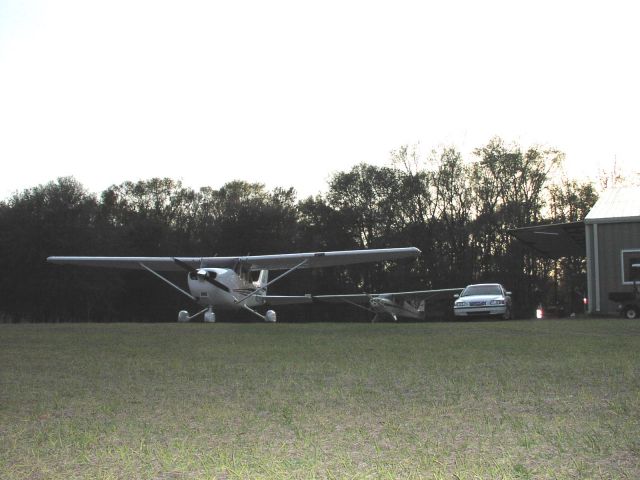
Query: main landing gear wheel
(209,316)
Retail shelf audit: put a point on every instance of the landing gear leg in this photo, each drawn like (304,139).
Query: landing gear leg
(183,315)
(269,317)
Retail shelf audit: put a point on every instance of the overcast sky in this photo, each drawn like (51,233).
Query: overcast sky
(287,92)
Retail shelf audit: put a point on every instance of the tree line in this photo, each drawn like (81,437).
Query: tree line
(457,212)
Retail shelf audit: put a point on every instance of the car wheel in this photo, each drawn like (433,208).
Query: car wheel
(630,312)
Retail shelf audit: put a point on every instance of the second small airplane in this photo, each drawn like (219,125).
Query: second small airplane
(392,305)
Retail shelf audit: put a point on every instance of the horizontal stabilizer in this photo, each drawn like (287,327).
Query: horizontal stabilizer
(285,299)
(428,295)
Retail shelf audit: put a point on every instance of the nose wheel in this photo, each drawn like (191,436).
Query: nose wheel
(210,316)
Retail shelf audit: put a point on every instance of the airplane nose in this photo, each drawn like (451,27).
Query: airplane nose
(202,274)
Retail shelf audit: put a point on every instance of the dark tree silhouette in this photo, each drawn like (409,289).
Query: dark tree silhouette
(456,212)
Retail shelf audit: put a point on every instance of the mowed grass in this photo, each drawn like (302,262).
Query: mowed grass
(519,399)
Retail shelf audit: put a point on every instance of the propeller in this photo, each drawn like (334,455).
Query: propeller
(204,274)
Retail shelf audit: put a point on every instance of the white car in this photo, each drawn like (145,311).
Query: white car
(483,300)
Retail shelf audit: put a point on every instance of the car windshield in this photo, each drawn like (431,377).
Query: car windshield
(482,290)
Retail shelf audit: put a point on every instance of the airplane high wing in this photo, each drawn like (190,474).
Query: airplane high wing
(396,304)
(251,262)
(226,283)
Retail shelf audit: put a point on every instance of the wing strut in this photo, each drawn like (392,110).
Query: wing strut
(264,287)
(167,281)
(359,306)
(189,318)
(255,313)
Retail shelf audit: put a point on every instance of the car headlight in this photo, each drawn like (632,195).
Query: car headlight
(461,304)
(496,302)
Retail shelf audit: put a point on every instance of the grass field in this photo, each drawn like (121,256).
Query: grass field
(520,399)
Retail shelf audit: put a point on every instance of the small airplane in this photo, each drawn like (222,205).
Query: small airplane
(392,305)
(226,283)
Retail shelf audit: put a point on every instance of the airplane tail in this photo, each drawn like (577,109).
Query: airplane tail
(263,279)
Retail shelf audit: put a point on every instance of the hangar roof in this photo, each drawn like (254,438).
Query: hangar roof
(555,240)
(616,205)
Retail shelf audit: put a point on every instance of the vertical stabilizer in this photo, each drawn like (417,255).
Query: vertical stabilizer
(263,279)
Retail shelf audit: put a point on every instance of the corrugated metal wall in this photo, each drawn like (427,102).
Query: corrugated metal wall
(604,266)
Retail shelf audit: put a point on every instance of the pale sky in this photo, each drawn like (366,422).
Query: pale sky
(288,92)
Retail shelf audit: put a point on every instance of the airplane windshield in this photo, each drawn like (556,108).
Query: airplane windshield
(481,290)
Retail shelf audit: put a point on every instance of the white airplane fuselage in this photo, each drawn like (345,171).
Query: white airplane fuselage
(383,305)
(208,294)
